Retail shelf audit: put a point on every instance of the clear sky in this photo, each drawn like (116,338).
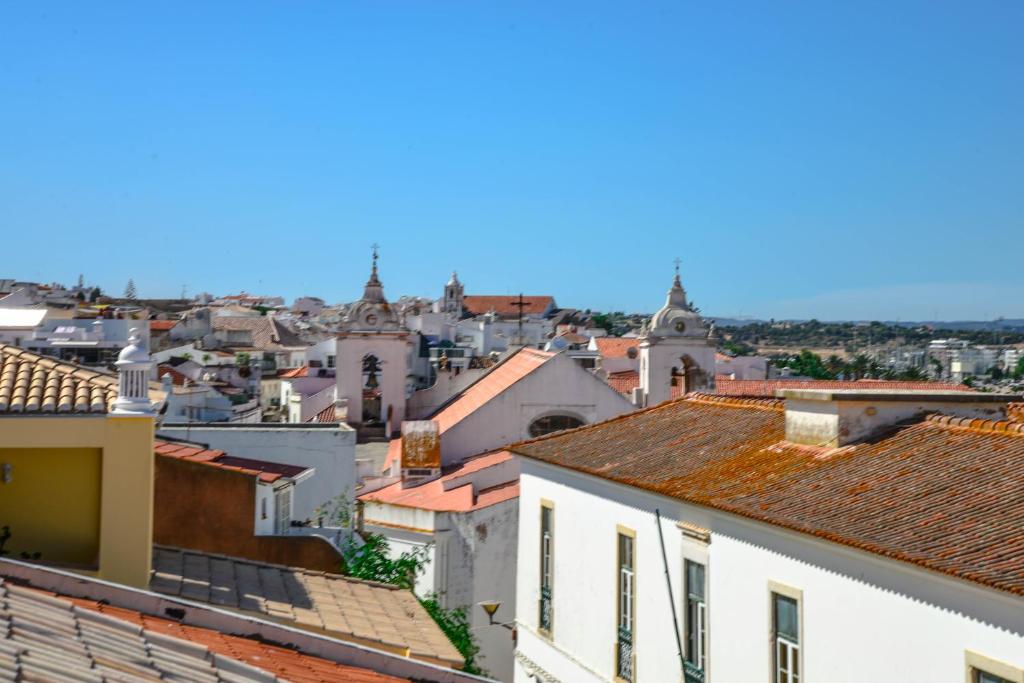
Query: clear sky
(838,160)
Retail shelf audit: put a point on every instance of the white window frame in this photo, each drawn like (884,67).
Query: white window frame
(790,672)
(547,568)
(977,664)
(625,601)
(282,509)
(695,544)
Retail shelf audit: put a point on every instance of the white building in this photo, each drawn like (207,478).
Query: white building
(732,540)
(329,449)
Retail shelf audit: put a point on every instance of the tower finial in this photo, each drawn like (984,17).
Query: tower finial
(676,282)
(375,247)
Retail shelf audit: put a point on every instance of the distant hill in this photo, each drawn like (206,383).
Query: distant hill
(1003,324)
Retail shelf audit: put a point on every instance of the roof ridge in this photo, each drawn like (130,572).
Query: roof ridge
(976,424)
(737,401)
(301,570)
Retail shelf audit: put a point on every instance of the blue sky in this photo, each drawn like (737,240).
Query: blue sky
(801,158)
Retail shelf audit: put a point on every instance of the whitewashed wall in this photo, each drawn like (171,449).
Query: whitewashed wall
(329,449)
(865,618)
(560,386)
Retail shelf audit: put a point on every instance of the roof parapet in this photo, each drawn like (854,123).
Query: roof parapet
(835,418)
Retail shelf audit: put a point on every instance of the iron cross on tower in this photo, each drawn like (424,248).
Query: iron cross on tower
(520,305)
(677,261)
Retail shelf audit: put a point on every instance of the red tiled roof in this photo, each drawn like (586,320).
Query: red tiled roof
(268,472)
(177,379)
(161,325)
(573,338)
(767,387)
(433,496)
(499,379)
(1015,412)
(293,373)
(624,382)
(288,664)
(506,306)
(616,347)
(931,493)
(325,415)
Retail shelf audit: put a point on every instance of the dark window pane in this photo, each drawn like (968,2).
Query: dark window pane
(787,622)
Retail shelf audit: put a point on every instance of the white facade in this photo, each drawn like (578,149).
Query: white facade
(677,352)
(558,387)
(862,617)
(328,449)
(471,558)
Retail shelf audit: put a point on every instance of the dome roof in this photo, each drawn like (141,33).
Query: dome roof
(677,318)
(135,352)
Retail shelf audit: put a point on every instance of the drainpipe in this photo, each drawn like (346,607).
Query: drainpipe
(671,600)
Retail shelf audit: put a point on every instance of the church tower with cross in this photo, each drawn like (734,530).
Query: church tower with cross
(372,361)
(677,350)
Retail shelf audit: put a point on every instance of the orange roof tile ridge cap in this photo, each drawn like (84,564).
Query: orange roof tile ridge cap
(773,404)
(976,425)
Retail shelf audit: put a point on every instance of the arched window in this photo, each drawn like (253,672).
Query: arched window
(554,423)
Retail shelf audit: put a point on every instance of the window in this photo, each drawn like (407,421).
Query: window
(330,361)
(626,605)
(263,509)
(982,669)
(984,677)
(553,423)
(547,569)
(282,510)
(786,628)
(696,623)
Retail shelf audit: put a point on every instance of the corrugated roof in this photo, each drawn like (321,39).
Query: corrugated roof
(374,614)
(944,493)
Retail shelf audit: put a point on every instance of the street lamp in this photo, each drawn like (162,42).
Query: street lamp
(491,607)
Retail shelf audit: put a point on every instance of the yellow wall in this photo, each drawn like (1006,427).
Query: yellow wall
(124,448)
(52,503)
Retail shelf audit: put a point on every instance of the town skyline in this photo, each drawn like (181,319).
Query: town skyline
(855,162)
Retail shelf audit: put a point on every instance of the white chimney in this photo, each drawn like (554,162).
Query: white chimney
(133,368)
(834,418)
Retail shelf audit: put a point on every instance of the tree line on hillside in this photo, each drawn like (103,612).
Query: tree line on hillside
(854,336)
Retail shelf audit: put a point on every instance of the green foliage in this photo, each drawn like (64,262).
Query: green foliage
(809,364)
(335,512)
(603,321)
(372,561)
(455,624)
(855,336)
(1018,372)
(735,348)
(187,355)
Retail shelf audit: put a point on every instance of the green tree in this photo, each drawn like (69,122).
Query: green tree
(373,561)
(1018,372)
(129,290)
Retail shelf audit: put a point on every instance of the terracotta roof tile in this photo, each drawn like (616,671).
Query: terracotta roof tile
(616,347)
(88,637)
(294,372)
(267,332)
(325,415)
(30,383)
(506,306)
(760,387)
(624,382)
(499,379)
(376,614)
(931,493)
(161,325)
(266,471)
(435,496)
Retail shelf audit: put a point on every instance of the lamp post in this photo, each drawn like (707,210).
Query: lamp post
(491,607)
